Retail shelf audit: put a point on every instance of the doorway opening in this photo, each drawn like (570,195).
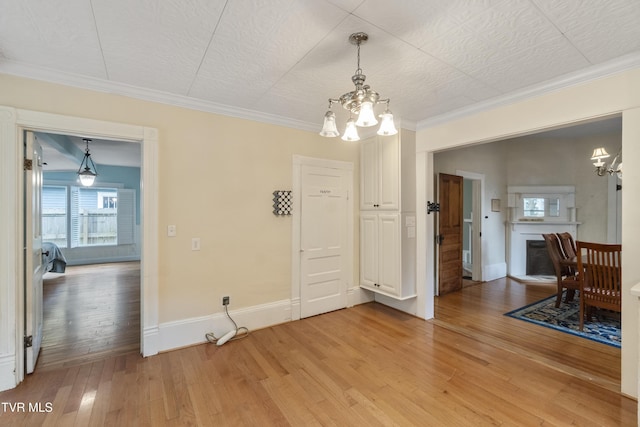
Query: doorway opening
(95,232)
(472,210)
(12,321)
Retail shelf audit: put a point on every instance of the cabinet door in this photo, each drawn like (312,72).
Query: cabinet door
(388,172)
(389,253)
(369,174)
(368,250)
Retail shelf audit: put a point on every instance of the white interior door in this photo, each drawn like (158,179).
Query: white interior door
(323,237)
(33,250)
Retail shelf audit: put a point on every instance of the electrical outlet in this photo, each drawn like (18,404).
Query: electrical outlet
(225,300)
(195,244)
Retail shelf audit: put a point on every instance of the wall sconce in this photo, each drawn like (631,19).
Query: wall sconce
(601,167)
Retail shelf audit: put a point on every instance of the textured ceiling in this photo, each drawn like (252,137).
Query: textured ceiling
(279,61)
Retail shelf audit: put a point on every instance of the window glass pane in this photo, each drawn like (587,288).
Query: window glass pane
(554,207)
(97,216)
(54,215)
(533,207)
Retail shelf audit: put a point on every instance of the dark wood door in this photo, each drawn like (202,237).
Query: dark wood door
(450,221)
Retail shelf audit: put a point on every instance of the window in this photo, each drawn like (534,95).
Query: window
(95,222)
(79,217)
(54,215)
(107,200)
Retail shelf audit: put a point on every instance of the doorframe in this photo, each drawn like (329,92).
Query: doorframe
(477,207)
(614,209)
(13,123)
(352,289)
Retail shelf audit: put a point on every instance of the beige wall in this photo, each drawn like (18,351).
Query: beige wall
(599,98)
(216,178)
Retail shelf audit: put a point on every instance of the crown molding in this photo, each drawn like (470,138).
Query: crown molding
(100,85)
(616,66)
(18,69)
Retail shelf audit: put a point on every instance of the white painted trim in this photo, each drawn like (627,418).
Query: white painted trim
(478,214)
(298,162)
(7,377)
(614,214)
(541,189)
(494,271)
(618,65)
(10,252)
(99,85)
(615,66)
(187,332)
(12,123)
(426,273)
(356,295)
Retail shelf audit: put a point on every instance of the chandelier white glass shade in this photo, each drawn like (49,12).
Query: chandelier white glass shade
(87,174)
(359,102)
(601,167)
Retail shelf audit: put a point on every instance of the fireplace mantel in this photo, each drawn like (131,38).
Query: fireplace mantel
(515,224)
(520,228)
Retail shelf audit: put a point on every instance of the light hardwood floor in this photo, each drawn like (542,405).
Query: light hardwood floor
(367,365)
(90,312)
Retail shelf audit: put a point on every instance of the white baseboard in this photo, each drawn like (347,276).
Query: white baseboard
(494,271)
(409,306)
(150,339)
(102,260)
(183,333)
(357,295)
(7,372)
(295,309)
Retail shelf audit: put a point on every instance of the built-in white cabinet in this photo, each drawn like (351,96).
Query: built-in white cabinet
(380,263)
(387,215)
(380,173)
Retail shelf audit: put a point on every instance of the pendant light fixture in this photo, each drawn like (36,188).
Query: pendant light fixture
(360,102)
(88,174)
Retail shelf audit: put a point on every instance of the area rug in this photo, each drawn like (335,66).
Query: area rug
(566,318)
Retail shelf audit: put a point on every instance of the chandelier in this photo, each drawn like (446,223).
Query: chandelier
(601,167)
(360,103)
(86,175)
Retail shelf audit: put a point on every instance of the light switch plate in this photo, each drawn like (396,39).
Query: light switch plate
(171,230)
(195,244)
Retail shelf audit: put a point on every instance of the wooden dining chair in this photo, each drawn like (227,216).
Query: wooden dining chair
(568,244)
(600,274)
(565,276)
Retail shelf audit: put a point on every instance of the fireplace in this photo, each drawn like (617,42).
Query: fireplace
(524,230)
(538,259)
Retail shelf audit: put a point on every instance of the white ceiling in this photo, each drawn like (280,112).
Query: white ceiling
(280,60)
(59,157)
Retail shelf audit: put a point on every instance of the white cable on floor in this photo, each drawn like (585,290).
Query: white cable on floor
(238,332)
